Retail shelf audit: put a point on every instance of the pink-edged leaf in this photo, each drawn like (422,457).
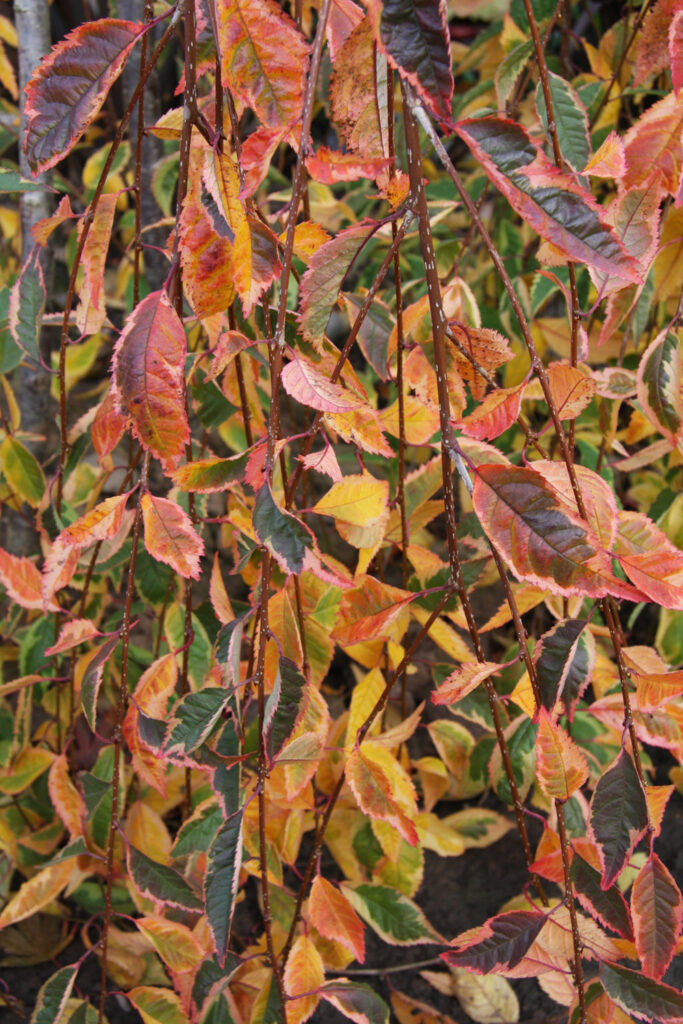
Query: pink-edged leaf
(357,1001)
(22,580)
(149,376)
(108,426)
(494,415)
(552,204)
(657,909)
(607,906)
(598,497)
(561,767)
(26,305)
(634,215)
(73,633)
(92,678)
(324,277)
(323,462)
(91,311)
(564,658)
(676,50)
(159,882)
(221,883)
(653,146)
(499,944)
(659,384)
(618,816)
(68,88)
(649,559)
(335,918)
(539,535)
(609,160)
(642,998)
(304,381)
(651,49)
(358,95)
(344,16)
(463,680)
(205,257)
(42,229)
(414,36)
(329,166)
(101,523)
(170,536)
(264,59)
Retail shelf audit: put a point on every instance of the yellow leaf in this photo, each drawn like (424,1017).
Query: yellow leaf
(382,788)
(359,500)
(304,973)
(27,766)
(66,799)
(363,699)
(157,1005)
(38,892)
(561,766)
(487,999)
(437,836)
(146,831)
(174,942)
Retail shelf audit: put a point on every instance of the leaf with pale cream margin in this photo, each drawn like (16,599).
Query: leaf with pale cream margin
(659,385)
(391,915)
(170,536)
(374,789)
(149,378)
(649,558)
(38,892)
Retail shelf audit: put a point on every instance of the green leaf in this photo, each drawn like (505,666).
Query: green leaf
(26,306)
(211,475)
(92,678)
(511,68)
(641,997)
(200,649)
(220,884)
(54,995)
(194,718)
(158,882)
(22,471)
(571,120)
(287,539)
(357,1001)
(618,816)
(283,706)
(197,833)
(393,916)
(521,740)
(12,181)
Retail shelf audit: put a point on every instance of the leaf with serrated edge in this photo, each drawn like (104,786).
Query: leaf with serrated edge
(38,892)
(550,202)
(66,799)
(69,86)
(463,680)
(657,910)
(641,997)
(356,1001)
(149,375)
(650,559)
(174,942)
(157,1005)
(561,767)
(304,973)
(220,884)
(324,277)
(360,500)
(208,476)
(335,918)
(54,995)
(304,381)
(21,579)
(161,883)
(499,944)
(392,915)
(374,791)
(618,816)
(170,536)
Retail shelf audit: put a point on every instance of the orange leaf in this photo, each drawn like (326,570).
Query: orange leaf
(170,536)
(102,523)
(373,790)
(255,262)
(174,942)
(494,415)
(654,144)
(73,633)
(608,161)
(220,602)
(561,767)
(149,376)
(91,312)
(206,259)
(335,918)
(657,910)
(66,799)
(650,560)
(304,973)
(156,685)
(463,680)
(21,579)
(571,389)
(107,427)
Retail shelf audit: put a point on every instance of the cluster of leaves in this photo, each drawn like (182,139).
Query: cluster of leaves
(313,394)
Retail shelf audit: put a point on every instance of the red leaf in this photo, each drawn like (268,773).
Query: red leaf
(539,535)
(554,206)
(170,536)
(330,166)
(68,88)
(206,259)
(304,381)
(264,59)
(499,944)
(676,51)
(657,909)
(107,427)
(652,55)
(355,97)
(149,373)
(494,414)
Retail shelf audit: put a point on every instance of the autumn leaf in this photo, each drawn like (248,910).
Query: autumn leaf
(657,910)
(374,789)
(560,765)
(304,973)
(170,536)
(335,918)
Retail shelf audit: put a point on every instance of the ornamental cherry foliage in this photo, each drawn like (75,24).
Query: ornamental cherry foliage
(361,541)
